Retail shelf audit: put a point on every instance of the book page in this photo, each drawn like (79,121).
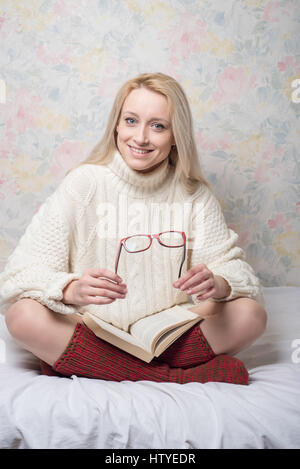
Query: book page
(117,332)
(171,335)
(149,329)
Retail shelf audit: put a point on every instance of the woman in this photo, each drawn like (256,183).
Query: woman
(143,177)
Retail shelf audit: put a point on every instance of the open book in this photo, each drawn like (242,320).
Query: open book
(148,337)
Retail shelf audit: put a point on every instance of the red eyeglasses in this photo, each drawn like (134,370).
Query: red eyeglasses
(142,242)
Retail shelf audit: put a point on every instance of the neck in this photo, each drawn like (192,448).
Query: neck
(139,183)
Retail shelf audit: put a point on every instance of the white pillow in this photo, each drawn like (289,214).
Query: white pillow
(13,354)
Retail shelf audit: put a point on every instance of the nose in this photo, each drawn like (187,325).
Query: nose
(141,136)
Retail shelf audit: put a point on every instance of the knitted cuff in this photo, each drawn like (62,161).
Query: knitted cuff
(189,350)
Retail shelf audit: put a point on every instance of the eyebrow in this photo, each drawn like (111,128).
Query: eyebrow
(152,118)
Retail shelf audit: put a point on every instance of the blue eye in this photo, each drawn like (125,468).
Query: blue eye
(132,121)
(127,119)
(158,126)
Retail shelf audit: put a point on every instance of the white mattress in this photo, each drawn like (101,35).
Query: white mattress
(49,412)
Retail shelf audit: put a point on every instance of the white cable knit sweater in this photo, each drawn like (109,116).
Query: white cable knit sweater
(80,226)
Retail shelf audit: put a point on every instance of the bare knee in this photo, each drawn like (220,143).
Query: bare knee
(28,319)
(22,317)
(253,317)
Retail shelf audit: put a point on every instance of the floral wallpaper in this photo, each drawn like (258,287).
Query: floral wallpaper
(62,62)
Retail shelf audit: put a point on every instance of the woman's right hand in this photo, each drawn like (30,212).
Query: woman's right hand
(96,286)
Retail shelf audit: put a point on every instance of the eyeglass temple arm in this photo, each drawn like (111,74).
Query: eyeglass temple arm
(183,259)
(118,257)
(119,253)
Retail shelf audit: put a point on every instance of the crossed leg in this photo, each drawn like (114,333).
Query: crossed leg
(229,327)
(39,330)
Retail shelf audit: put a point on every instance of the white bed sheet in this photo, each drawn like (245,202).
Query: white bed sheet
(49,412)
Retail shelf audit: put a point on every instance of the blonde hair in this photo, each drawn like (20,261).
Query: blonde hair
(184,155)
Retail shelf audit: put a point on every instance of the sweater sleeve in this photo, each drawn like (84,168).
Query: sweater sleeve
(214,245)
(39,266)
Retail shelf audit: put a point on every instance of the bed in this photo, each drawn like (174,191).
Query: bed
(39,411)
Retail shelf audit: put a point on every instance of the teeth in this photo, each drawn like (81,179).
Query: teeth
(137,150)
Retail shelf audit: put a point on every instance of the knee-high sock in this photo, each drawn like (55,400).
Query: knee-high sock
(91,357)
(189,350)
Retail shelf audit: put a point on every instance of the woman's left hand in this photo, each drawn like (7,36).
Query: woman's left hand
(200,280)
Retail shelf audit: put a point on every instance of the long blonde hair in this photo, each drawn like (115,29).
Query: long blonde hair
(184,155)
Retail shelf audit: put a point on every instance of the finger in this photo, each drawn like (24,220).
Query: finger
(207,295)
(98,273)
(202,287)
(188,275)
(99,300)
(105,293)
(197,280)
(107,284)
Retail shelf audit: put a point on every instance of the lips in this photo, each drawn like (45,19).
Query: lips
(139,151)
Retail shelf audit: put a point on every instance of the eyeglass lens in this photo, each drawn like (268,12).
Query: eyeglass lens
(141,242)
(137,243)
(171,238)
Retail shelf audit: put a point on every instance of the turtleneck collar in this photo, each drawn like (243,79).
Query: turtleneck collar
(137,183)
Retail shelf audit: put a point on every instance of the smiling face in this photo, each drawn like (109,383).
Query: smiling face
(144,130)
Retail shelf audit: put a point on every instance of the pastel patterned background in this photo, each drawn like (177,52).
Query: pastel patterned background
(62,62)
